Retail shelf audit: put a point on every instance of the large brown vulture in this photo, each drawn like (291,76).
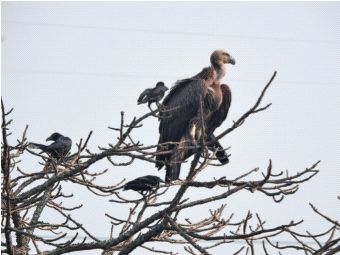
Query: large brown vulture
(181,121)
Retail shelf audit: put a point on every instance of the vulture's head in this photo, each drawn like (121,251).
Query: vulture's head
(54,137)
(219,57)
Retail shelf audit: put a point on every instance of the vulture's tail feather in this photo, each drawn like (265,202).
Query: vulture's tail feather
(221,154)
(172,173)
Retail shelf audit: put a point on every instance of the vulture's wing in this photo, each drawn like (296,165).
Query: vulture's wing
(221,114)
(216,120)
(182,105)
(184,100)
(207,73)
(221,154)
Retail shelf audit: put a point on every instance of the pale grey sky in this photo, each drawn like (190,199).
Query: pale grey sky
(73,66)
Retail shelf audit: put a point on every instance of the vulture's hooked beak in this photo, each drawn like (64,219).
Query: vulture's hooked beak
(231,60)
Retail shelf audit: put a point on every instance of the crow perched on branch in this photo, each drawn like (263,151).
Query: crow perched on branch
(144,183)
(58,149)
(153,95)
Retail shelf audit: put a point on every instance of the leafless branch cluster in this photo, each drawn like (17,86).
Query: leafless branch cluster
(156,217)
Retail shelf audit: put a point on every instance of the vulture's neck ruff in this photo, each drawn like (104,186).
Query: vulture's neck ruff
(219,67)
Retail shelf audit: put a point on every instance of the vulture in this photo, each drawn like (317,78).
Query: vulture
(193,104)
(144,183)
(58,149)
(153,95)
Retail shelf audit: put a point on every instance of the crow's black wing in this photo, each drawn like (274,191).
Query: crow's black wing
(60,148)
(143,183)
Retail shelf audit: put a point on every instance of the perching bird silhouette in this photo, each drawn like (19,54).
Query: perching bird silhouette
(184,123)
(144,183)
(153,95)
(58,149)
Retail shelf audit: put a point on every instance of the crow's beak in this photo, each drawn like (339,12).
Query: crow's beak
(232,60)
(48,139)
(165,88)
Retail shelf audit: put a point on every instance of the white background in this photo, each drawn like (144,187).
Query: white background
(72,67)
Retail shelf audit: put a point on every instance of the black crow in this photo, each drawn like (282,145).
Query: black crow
(153,95)
(58,149)
(144,183)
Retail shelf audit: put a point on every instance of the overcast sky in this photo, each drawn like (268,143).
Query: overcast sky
(72,67)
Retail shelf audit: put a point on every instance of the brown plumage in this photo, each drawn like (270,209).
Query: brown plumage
(181,122)
(216,120)
(218,116)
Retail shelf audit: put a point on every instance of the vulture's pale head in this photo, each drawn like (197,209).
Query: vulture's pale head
(219,57)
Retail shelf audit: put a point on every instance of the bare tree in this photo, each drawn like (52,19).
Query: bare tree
(154,218)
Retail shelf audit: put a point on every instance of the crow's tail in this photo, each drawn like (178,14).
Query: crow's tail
(37,146)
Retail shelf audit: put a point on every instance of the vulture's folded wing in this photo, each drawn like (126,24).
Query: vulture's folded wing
(181,106)
(221,114)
